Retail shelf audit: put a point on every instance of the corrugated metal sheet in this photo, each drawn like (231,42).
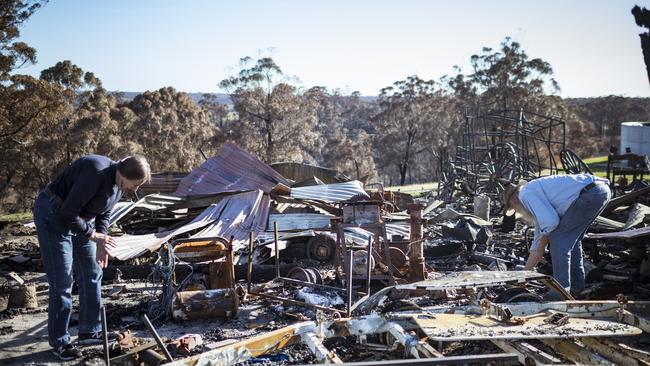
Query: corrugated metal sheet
(299,221)
(242,213)
(337,192)
(235,215)
(162,183)
(234,169)
(360,236)
(300,172)
(152,202)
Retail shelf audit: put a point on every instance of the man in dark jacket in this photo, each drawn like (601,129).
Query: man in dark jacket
(72,218)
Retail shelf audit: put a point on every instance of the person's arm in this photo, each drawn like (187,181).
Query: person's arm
(102,221)
(536,253)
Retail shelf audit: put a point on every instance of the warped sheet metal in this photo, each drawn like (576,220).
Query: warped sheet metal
(299,207)
(152,202)
(234,169)
(299,221)
(226,218)
(459,327)
(627,234)
(467,279)
(242,213)
(337,192)
(638,214)
(268,236)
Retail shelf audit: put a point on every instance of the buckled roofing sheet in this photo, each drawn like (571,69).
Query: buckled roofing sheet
(234,215)
(234,169)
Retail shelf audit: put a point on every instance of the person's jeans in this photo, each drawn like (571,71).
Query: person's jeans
(60,249)
(566,240)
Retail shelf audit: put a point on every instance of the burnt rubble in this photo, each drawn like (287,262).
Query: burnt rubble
(237,264)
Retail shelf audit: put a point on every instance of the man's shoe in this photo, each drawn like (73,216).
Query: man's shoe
(67,352)
(94,338)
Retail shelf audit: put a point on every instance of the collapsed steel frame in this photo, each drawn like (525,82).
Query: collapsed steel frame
(500,147)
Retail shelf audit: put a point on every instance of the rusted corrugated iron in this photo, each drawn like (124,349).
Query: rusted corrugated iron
(234,169)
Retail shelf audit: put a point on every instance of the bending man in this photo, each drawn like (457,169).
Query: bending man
(561,207)
(72,218)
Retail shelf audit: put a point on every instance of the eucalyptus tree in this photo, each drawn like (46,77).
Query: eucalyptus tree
(170,128)
(412,120)
(274,121)
(341,143)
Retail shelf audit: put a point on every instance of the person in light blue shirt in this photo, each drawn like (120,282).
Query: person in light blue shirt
(561,207)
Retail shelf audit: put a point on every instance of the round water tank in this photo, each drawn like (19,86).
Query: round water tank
(636,136)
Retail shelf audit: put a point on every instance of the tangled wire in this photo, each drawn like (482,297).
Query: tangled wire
(162,277)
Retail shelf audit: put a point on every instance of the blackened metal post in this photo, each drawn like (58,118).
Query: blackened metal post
(107,357)
(231,259)
(159,341)
(277,250)
(249,273)
(349,281)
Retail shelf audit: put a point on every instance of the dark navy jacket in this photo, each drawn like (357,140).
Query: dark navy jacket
(89,191)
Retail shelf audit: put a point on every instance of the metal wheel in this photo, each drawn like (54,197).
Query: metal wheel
(572,163)
(498,167)
(447,183)
(321,248)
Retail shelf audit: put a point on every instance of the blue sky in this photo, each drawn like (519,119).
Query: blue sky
(140,45)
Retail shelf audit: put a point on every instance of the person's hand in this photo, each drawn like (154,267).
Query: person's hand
(101,256)
(104,245)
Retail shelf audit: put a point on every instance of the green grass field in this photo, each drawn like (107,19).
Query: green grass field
(598,165)
(16,217)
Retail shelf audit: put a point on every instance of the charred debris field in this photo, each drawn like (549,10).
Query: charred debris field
(239,262)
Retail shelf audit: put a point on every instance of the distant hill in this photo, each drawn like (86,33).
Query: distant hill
(222,98)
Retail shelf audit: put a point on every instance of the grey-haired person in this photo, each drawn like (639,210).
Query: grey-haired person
(72,218)
(561,207)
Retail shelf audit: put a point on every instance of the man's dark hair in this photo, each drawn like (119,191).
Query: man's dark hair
(135,167)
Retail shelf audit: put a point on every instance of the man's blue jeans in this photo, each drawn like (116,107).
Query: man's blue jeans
(60,250)
(566,240)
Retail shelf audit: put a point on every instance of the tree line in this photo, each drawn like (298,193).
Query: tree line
(48,121)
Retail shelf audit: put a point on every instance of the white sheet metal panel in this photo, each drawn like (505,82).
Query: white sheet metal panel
(360,236)
(299,221)
(337,192)
(465,279)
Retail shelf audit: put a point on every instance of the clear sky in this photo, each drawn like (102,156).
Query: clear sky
(137,45)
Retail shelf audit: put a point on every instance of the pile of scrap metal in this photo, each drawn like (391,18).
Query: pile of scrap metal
(386,331)
(379,276)
(234,212)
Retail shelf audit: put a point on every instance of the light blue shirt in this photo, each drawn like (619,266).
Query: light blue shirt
(549,198)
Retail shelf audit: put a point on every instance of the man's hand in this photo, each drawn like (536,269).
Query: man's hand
(537,255)
(104,244)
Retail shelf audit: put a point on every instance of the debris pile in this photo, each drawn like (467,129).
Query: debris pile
(251,265)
